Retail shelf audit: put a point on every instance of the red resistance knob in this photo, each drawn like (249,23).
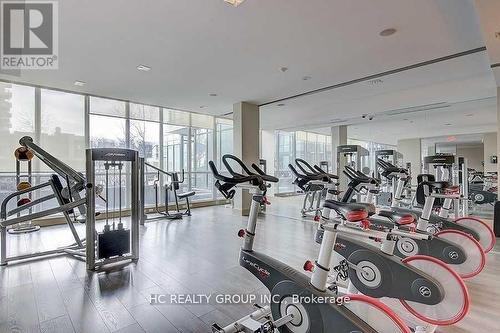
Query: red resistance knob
(308,266)
(316,218)
(241,233)
(365,224)
(265,201)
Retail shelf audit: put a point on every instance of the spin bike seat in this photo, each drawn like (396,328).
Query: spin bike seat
(352,212)
(397,217)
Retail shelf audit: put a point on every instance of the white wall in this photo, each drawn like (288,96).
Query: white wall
(490,149)
(412,153)
(473,154)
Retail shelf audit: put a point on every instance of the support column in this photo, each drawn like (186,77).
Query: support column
(246,145)
(339,137)
(412,153)
(498,134)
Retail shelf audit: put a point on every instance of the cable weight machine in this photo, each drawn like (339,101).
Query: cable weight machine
(115,243)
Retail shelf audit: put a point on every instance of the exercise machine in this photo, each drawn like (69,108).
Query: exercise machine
(317,185)
(353,156)
(23,181)
(68,202)
(425,286)
(115,243)
(434,223)
(172,186)
(454,248)
(363,314)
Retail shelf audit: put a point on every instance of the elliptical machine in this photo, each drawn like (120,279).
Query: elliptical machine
(289,311)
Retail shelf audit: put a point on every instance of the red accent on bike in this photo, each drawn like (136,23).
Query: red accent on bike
(365,224)
(266,202)
(406,219)
(241,233)
(316,218)
(356,215)
(308,266)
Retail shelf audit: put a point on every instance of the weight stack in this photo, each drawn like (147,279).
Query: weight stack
(496,219)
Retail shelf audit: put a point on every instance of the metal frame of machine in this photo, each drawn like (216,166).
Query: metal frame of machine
(112,155)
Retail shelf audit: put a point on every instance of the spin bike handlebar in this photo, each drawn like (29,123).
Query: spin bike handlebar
(261,174)
(302,163)
(321,171)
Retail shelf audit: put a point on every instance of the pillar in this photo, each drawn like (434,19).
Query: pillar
(498,135)
(412,153)
(246,145)
(339,137)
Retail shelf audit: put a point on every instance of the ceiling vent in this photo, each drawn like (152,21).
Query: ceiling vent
(415,109)
(375,82)
(235,3)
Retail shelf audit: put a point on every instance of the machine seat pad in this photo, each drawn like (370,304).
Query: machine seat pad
(398,217)
(352,212)
(186,194)
(438,185)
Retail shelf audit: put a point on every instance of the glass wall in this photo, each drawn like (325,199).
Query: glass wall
(312,147)
(173,140)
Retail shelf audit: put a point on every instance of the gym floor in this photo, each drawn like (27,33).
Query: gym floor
(196,255)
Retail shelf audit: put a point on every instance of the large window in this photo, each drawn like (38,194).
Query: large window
(63,127)
(202,151)
(173,140)
(17,119)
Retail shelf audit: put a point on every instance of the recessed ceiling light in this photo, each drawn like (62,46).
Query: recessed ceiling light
(280,104)
(235,3)
(143,68)
(447,124)
(306,78)
(212,95)
(387,32)
(202,106)
(469,114)
(283,69)
(80,83)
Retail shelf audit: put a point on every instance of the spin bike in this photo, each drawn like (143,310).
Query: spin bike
(289,311)
(314,184)
(475,227)
(452,247)
(376,272)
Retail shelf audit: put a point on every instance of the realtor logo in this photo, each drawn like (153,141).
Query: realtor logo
(29,33)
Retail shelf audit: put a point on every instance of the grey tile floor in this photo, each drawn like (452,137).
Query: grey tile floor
(196,255)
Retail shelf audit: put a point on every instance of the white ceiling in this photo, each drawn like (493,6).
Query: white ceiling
(199,47)
(490,23)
